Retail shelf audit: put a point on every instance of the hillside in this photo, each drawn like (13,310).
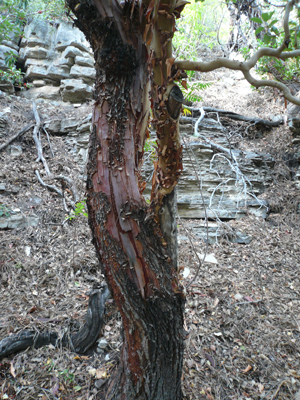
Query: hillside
(242,309)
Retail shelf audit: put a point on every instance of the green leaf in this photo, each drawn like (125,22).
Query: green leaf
(275,30)
(77,388)
(255,19)
(265,16)
(267,38)
(258,30)
(273,22)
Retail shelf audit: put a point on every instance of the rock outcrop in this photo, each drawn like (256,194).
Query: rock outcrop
(57,60)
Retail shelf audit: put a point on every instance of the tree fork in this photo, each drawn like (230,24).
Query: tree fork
(133,253)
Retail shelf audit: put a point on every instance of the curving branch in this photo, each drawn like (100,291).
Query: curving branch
(245,66)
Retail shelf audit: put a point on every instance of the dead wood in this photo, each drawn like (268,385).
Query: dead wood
(37,140)
(18,134)
(51,188)
(80,342)
(71,184)
(48,138)
(228,114)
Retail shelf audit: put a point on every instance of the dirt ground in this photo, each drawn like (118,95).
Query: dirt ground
(242,308)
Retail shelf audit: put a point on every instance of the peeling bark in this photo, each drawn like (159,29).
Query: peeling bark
(136,259)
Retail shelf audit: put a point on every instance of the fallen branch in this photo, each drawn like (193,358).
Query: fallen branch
(232,115)
(71,185)
(80,342)
(48,138)
(37,140)
(51,188)
(14,137)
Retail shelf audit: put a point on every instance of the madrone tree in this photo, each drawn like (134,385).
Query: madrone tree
(136,242)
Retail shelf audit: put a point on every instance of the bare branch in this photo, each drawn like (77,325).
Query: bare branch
(14,137)
(37,140)
(281,86)
(245,66)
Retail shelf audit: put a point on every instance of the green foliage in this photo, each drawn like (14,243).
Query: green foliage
(191,90)
(4,210)
(80,209)
(197,28)
(13,16)
(274,36)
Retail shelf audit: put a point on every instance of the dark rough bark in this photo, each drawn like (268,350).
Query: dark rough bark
(135,257)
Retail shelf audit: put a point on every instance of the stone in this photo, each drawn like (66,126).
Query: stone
(58,73)
(293,110)
(75,91)
(16,219)
(66,61)
(14,150)
(38,33)
(44,92)
(11,44)
(69,125)
(35,52)
(67,36)
(36,72)
(71,51)
(85,61)
(84,73)
(53,126)
(39,83)
(6,190)
(34,61)
(7,87)
(4,121)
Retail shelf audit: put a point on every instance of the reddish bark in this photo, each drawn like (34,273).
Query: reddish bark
(133,254)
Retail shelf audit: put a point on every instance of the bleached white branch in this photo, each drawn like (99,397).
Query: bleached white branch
(245,66)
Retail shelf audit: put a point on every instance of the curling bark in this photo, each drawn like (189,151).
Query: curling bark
(135,242)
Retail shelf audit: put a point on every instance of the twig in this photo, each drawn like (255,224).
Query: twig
(277,390)
(37,141)
(48,138)
(51,188)
(14,137)
(72,186)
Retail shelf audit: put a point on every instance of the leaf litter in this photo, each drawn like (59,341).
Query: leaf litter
(242,312)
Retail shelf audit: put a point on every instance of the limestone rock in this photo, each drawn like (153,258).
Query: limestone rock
(85,61)
(71,51)
(16,219)
(75,91)
(84,73)
(44,92)
(35,52)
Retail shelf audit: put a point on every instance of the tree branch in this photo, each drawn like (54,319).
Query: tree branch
(247,65)
(14,137)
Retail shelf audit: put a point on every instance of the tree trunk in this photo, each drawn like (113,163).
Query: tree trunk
(135,257)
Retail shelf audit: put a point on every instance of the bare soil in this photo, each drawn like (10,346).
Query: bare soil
(242,309)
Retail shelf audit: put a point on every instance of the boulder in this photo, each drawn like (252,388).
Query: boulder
(66,36)
(16,219)
(58,73)
(36,72)
(71,51)
(75,91)
(85,61)
(35,52)
(84,73)
(44,92)
(7,87)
